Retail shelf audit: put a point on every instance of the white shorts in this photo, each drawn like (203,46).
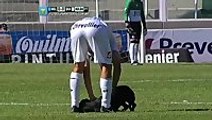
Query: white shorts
(95,39)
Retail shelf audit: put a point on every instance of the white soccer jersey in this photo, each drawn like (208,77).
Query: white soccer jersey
(91,34)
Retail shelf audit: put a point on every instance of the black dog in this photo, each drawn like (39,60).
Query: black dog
(121,96)
(87,105)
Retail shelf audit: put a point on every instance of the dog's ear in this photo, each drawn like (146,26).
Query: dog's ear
(100,97)
(98,100)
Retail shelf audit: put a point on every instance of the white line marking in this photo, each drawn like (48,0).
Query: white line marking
(185,102)
(33,104)
(190,103)
(173,80)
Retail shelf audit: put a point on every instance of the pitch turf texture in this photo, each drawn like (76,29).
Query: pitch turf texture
(163,92)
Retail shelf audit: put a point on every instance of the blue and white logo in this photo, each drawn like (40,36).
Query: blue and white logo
(43,11)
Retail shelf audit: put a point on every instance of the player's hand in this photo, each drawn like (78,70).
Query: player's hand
(92,98)
(127,24)
(130,30)
(145,31)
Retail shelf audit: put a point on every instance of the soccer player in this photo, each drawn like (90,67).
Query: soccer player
(133,16)
(93,34)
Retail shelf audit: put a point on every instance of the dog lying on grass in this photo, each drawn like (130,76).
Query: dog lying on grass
(87,105)
(121,96)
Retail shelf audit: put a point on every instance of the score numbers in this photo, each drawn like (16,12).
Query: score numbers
(44,11)
(62,9)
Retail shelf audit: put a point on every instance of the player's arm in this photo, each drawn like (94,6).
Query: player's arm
(143,19)
(128,7)
(87,80)
(116,60)
(126,12)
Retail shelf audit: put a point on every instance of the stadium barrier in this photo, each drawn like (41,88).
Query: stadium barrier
(196,40)
(168,55)
(54,46)
(43,46)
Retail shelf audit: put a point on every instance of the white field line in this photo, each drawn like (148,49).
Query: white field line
(185,102)
(173,80)
(33,104)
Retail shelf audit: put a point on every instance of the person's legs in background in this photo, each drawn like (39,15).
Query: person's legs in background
(134,36)
(133,51)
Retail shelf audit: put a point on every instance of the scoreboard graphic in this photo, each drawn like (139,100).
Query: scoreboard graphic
(44,10)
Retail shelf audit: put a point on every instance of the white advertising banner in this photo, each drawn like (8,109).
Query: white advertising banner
(198,41)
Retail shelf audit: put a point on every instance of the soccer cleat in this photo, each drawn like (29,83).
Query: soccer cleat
(75,109)
(134,63)
(103,109)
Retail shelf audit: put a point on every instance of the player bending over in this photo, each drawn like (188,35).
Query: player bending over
(91,34)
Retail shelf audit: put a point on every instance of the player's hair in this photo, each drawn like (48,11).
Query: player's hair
(4,26)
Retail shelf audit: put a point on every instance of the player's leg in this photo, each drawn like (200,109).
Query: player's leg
(106,86)
(134,42)
(79,52)
(133,51)
(103,56)
(75,79)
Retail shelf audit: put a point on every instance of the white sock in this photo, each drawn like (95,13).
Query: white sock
(139,54)
(106,90)
(133,51)
(75,88)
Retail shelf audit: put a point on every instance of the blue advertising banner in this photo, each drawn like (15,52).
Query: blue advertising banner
(45,46)
(40,41)
(52,41)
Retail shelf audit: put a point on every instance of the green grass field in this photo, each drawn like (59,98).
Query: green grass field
(163,92)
